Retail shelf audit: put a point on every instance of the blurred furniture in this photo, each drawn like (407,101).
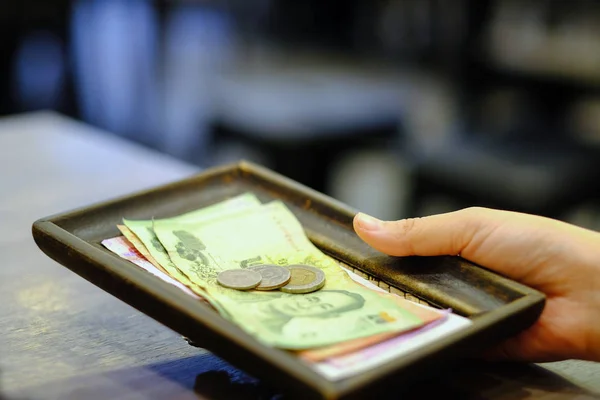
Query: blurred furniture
(518,151)
(300,113)
(533,177)
(63,338)
(34,71)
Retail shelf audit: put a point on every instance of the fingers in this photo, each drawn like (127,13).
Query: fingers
(443,234)
(526,248)
(515,245)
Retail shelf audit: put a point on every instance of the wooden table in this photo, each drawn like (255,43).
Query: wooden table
(63,338)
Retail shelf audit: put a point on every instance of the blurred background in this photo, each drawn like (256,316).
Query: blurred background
(396,107)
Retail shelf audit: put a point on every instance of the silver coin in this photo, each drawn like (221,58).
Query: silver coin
(273,276)
(240,279)
(305,279)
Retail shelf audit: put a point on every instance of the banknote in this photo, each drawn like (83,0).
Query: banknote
(333,366)
(143,231)
(361,360)
(357,362)
(270,234)
(122,247)
(141,247)
(426,314)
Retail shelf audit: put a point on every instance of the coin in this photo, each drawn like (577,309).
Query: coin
(305,279)
(240,279)
(273,276)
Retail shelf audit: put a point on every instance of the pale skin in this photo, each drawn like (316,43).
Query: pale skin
(556,258)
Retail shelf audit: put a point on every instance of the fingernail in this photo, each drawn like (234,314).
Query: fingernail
(367,222)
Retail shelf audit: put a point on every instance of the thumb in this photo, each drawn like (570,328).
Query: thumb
(443,234)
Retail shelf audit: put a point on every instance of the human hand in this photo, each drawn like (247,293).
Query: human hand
(556,258)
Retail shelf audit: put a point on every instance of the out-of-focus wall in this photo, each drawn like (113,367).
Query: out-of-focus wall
(380,104)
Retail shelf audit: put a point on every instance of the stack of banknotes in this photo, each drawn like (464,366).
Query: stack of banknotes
(349,325)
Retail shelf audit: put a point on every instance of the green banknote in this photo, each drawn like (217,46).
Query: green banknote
(270,234)
(143,229)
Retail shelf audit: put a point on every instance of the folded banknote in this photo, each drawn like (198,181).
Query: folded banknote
(347,317)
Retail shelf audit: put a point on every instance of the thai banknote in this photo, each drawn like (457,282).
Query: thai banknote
(426,314)
(122,247)
(142,236)
(139,246)
(270,234)
(357,362)
(330,361)
(346,364)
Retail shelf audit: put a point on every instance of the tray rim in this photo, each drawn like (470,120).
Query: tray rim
(47,229)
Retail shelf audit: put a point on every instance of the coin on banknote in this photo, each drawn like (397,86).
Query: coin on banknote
(273,276)
(305,279)
(240,279)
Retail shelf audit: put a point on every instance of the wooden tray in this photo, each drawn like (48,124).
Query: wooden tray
(497,306)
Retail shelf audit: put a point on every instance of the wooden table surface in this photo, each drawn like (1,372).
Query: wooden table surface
(63,338)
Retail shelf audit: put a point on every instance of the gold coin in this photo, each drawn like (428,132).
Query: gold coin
(305,279)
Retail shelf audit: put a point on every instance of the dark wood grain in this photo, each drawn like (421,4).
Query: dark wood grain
(63,338)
